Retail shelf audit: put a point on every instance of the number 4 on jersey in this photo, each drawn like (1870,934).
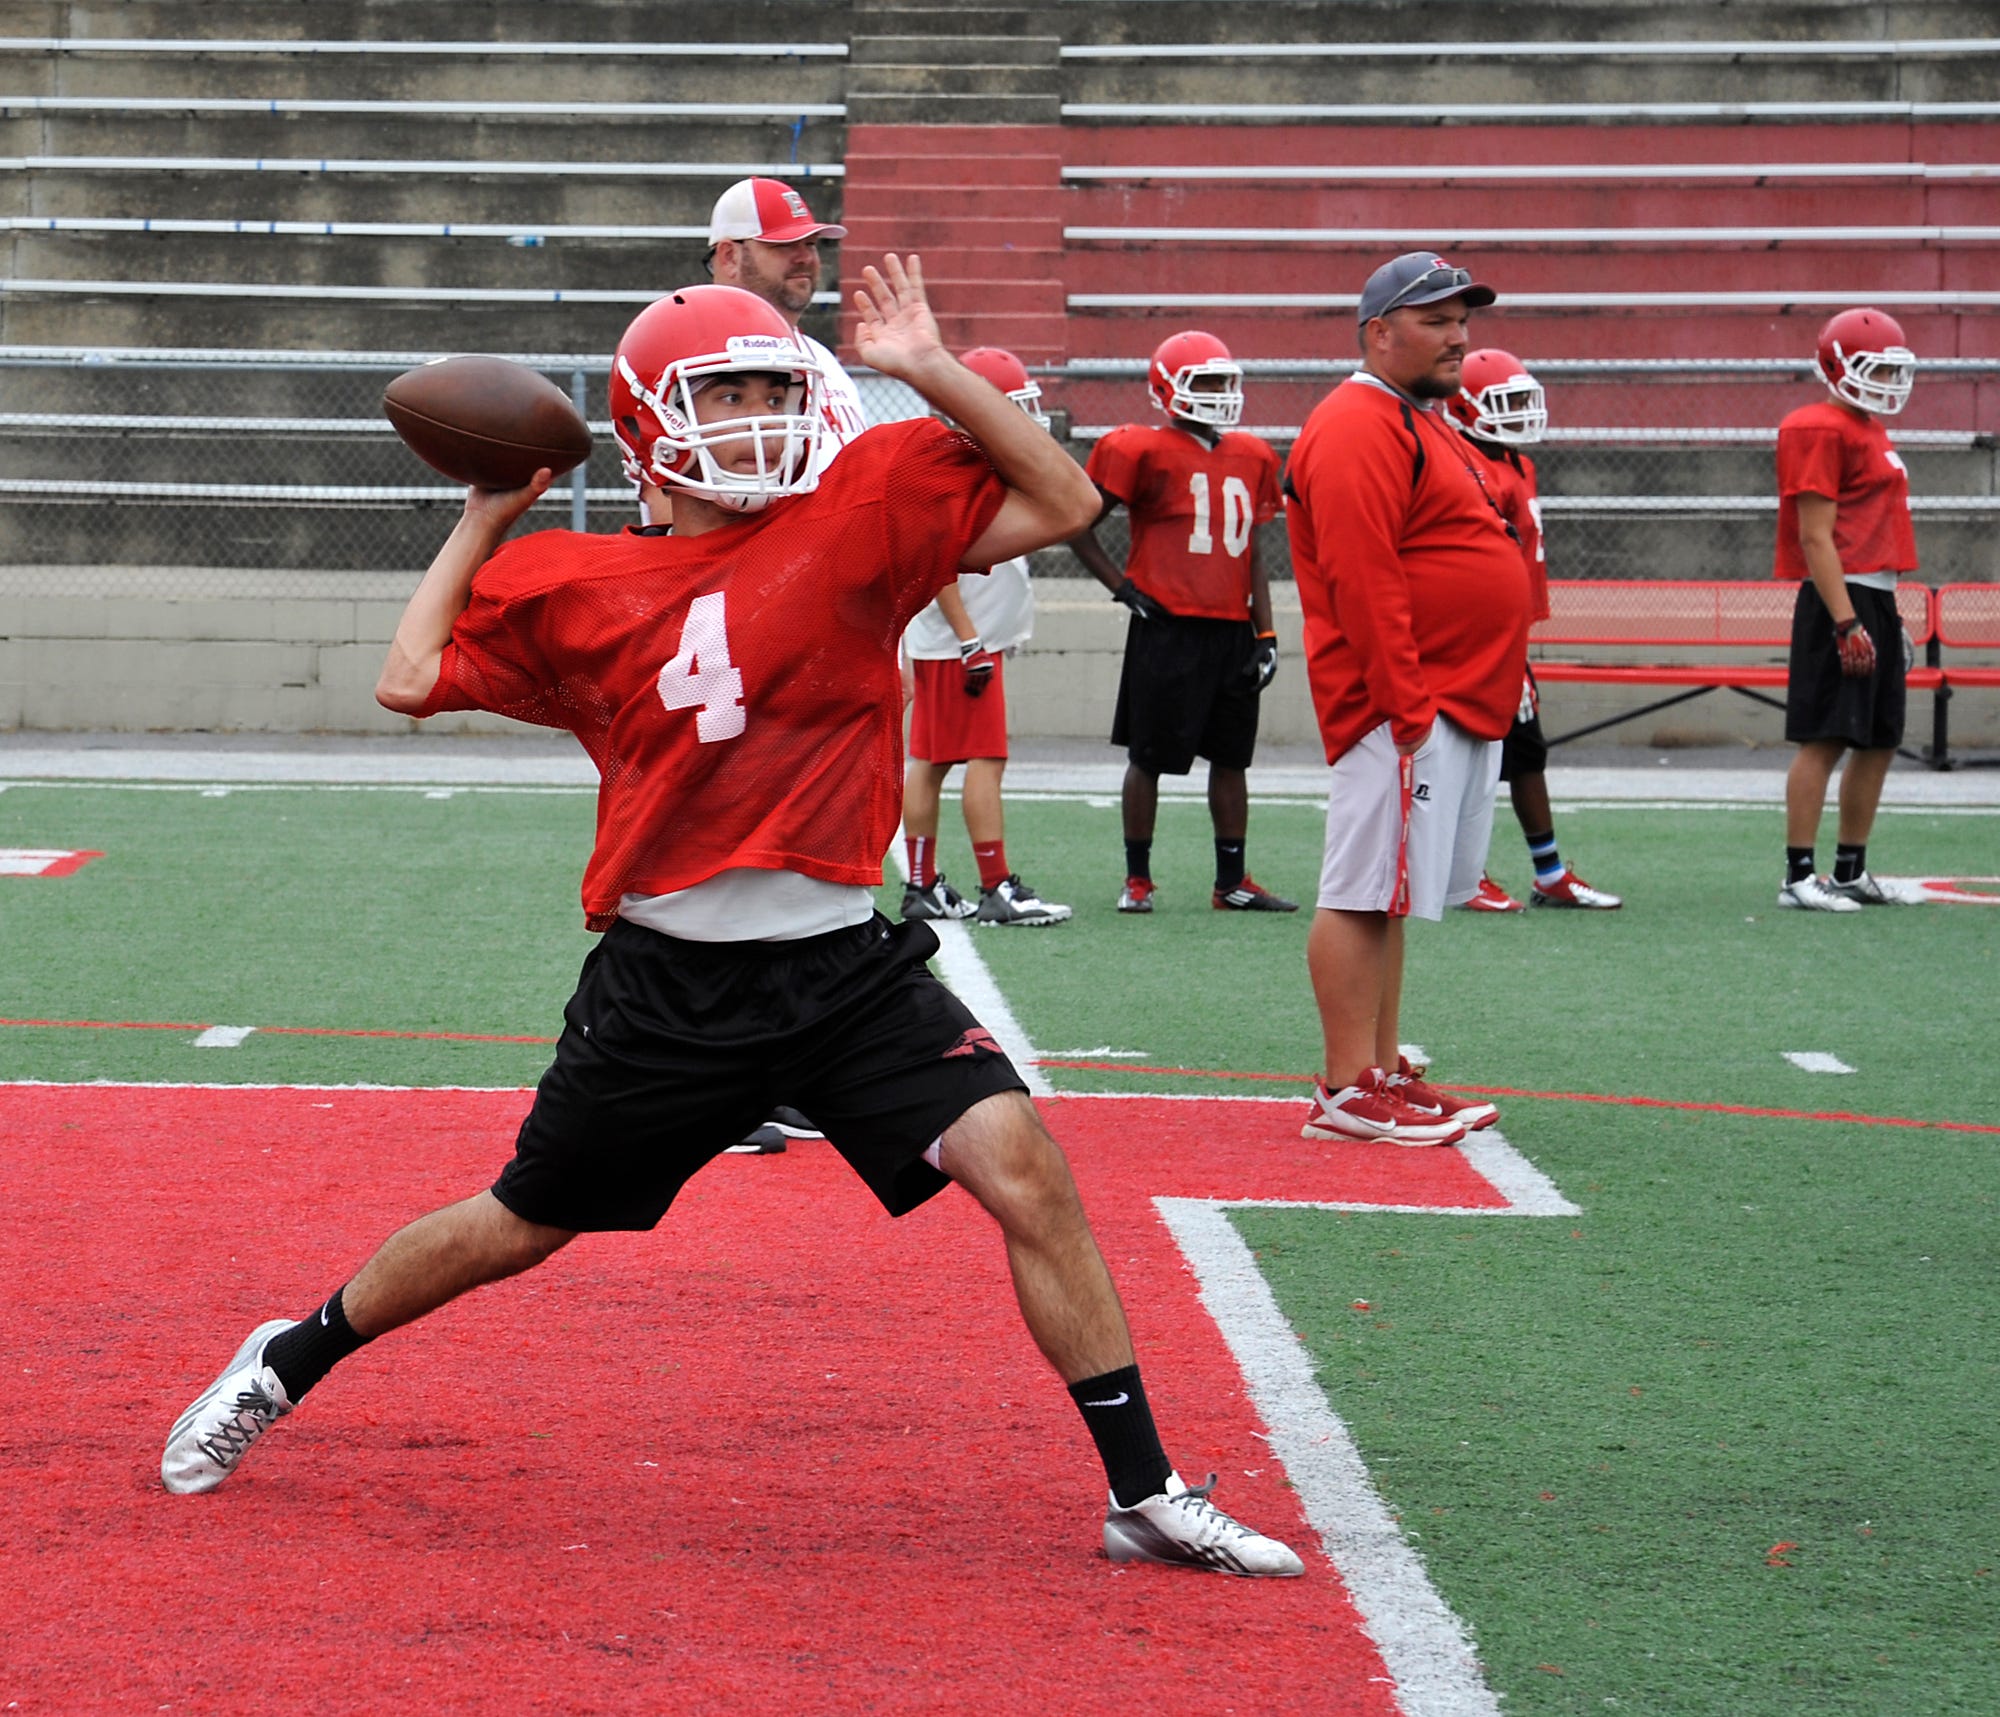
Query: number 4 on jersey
(700,676)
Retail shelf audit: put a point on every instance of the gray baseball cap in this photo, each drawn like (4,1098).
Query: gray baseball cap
(1419,277)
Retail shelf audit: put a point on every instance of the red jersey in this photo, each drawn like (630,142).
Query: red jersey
(1194,510)
(1415,594)
(1825,449)
(1510,479)
(738,690)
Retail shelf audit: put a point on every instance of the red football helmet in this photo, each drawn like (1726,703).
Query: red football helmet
(1186,359)
(1498,400)
(1865,361)
(671,351)
(1007,373)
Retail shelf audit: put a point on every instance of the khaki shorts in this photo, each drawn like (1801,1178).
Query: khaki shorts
(1409,842)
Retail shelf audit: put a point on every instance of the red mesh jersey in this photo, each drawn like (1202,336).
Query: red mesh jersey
(1194,512)
(1510,479)
(1415,598)
(1825,449)
(738,691)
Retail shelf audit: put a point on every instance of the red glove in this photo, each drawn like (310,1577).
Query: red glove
(1857,649)
(978,663)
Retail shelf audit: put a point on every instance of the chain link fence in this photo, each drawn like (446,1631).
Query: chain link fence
(180,472)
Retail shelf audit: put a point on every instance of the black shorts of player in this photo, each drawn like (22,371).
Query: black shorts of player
(1823,703)
(1187,691)
(672,1051)
(1525,750)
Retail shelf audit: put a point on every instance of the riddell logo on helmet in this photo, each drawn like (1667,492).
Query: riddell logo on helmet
(760,346)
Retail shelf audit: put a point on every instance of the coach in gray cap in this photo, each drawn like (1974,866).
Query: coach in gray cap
(1416,632)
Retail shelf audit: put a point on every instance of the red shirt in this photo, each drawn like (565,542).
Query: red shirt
(1194,508)
(738,690)
(1510,479)
(1415,594)
(1825,449)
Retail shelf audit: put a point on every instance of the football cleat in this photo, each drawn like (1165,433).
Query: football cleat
(1137,895)
(1012,901)
(1369,1110)
(1569,889)
(1864,890)
(226,1418)
(765,1141)
(1183,1529)
(938,899)
(1408,1083)
(1816,894)
(1249,896)
(1491,897)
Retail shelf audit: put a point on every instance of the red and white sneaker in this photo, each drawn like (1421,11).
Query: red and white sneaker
(1569,889)
(1491,897)
(1369,1110)
(1407,1082)
(1137,895)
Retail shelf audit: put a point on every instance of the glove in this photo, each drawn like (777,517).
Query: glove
(977,661)
(1262,668)
(1857,649)
(1137,600)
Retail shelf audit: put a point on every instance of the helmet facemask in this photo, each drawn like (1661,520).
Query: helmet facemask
(1875,381)
(1513,412)
(673,449)
(1220,409)
(1029,399)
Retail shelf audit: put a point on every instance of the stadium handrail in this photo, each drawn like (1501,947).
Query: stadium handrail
(1953,300)
(1916,47)
(1596,172)
(162,46)
(426,169)
(375,294)
(1458,235)
(1430,112)
(450,109)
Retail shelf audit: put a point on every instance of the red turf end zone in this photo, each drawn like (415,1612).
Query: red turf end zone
(782,1453)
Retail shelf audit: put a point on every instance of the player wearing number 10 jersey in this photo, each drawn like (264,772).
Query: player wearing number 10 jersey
(736,683)
(1200,647)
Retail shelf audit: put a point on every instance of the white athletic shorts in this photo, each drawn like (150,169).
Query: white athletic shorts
(1409,842)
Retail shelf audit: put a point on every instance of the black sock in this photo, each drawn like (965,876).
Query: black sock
(306,1352)
(1139,858)
(1849,862)
(1798,863)
(1121,1424)
(1228,864)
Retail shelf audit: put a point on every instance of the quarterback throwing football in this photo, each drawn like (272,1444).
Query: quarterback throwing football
(735,680)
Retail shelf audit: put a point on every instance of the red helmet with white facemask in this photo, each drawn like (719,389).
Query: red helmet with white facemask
(1498,400)
(1007,373)
(682,344)
(1188,358)
(1865,360)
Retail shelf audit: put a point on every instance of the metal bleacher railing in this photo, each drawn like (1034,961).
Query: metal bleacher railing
(195,462)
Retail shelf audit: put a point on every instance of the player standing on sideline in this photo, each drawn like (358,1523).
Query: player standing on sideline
(1416,609)
(958,712)
(1844,529)
(762,238)
(735,680)
(1500,409)
(1200,647)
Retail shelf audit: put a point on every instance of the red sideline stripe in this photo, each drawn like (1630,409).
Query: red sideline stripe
(1844,1115)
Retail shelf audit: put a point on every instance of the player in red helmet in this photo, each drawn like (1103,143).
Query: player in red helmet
(1844,531)
(958,713)
(1200,647)
(1500,409)
(734,677)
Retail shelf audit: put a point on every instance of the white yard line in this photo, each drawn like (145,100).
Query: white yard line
(1816,1061)
(223,1036)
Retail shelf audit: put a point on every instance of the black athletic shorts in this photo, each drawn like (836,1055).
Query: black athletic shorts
(672,1051)
(1823,703)
(1525,750)
(1186,692)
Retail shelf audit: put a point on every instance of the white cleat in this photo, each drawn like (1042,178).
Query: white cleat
(226,1418)
(1182,1528)
(1816,894)
(1864,890)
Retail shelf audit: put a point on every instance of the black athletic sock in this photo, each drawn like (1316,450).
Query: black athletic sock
(1139,858)
(306,1352)
(1115,1412)
(1798,863)
(1849,862)
(1228,865)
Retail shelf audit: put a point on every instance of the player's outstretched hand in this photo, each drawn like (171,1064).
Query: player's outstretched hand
(895,331)
(499,508)
(1857,649)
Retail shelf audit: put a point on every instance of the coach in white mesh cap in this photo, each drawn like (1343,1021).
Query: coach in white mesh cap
(767,210)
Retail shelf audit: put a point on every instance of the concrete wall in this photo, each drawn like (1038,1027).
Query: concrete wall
(128,656)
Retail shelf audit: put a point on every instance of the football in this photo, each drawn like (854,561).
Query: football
(485,421)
